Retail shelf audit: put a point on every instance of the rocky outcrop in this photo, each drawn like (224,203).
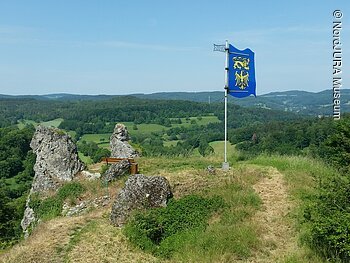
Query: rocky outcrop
(57,161)
(120,148)
(56,158)
(116,170)
(28,218)
(211,170)
(90,175)
(85,206)
(140,192)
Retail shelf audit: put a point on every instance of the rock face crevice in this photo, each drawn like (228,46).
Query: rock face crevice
(57,162)
(140,192)
(120,148)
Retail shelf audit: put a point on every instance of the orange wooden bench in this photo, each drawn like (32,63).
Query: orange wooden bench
(133,165)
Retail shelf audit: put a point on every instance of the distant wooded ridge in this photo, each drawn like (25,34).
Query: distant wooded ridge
(302,102)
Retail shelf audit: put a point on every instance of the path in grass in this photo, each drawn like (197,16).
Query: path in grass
(276,232)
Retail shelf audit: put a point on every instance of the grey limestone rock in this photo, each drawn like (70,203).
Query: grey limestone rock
(120,148)
(211,170)
(28,219)
(90,175)
(57,161)
(140,192)
(56,158)
(85,206)
(116,170)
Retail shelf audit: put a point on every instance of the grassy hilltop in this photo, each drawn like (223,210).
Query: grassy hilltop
(258,223)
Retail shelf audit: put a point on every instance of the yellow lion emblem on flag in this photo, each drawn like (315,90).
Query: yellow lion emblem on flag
(241,63)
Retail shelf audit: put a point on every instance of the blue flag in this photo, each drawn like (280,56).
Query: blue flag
(241,73)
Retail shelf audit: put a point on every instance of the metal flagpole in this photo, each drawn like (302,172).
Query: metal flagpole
(225,165)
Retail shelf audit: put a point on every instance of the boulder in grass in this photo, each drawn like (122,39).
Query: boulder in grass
(140,192)
(116,170)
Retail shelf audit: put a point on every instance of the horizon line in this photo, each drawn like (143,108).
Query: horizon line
(140,93)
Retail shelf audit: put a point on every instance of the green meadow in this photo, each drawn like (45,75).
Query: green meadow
(185,122)
(102,139)
(53,123)
(204,120)
(144,128)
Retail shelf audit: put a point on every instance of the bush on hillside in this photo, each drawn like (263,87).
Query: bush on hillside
(328,218)
(51,207)
(93,150)
(153,230)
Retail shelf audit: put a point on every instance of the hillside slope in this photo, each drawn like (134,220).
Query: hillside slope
(257,226)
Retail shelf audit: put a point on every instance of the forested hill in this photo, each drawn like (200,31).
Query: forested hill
(100,115)
(302,102)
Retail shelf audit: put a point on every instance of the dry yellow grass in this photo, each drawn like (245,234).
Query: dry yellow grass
(72,239)
(105,243)
(277,235)
(189,181)
(91,238)
(42,245)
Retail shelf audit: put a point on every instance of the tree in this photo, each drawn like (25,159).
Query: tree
(100,153)
(204,147)
(336,148)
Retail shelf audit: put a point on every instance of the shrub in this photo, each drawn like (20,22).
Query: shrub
(100,153)
(328,218)
(70,191)
(51,207)
(104,168)
(154,229)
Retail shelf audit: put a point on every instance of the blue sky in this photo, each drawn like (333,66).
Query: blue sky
(124,47)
